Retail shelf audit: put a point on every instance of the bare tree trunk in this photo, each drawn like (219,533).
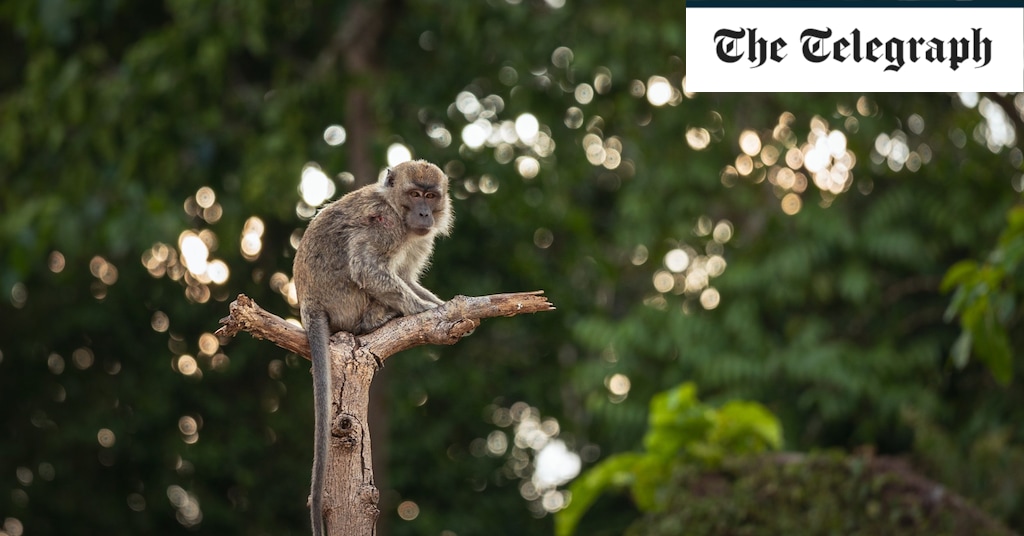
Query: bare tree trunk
(355,44)
(351,496)
(350,459)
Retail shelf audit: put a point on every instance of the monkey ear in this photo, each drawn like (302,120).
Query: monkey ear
(389,180)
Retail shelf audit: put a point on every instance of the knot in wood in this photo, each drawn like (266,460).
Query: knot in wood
(369,496)
(346,427)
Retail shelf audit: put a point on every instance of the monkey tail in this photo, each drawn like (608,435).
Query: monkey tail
(318,334)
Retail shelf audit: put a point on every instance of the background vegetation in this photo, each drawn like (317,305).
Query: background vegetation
(783,249)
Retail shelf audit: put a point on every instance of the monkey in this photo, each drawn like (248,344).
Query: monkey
(358,266)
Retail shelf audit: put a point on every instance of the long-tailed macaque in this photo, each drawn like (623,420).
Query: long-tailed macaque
(358,266)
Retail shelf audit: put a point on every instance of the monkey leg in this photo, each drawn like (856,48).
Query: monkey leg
(376,315)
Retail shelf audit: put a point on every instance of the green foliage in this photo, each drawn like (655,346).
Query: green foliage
(985,298)
(983,465)
(681,432)
(813,495)
(115,116)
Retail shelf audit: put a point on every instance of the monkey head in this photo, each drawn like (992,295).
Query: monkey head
(418,191)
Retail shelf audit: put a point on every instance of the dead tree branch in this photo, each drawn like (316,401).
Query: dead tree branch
(350,494)
(444,325)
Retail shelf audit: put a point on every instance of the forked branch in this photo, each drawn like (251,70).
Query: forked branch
(443,325)
(352,495)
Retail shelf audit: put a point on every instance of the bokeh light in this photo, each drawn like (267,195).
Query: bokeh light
(659,91)
(677,260)
(535,454)
(205,197)
(573,117)
(527,166)
(791,203)
(522,142)
(440,135)
(106,438)
(315,186)
(640,255)
(688,272)
(562,57)
(709,298)
(527,128)
(187,365)
(194,252)
(584,93)
(208,344)
(698,138)
(475,134)
(252,238)
(56,262)
(83,358)
(335,135)
(618,385)
(218,271)
(55,363)
(722,232)
(556,464)
(996,131)
(408,510)
(12,526)
(968,99)
(398,153)
(825,157)
(543,238)
(750,142)
(159,322)
(189,426)
(103,270)
(603,80)
(188,513)
(663,281)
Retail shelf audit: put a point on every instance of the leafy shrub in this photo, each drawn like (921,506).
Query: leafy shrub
(682,433)
(819,494)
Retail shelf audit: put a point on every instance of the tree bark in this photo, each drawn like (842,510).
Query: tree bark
(354,50)
(350,495)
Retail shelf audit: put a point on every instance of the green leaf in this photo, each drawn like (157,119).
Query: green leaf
(960,352)
(681,430)
(675,419)
(992,346)
(747,427)
(956,304)
(1015,219)
(615,471)
(958,274)
(650,474)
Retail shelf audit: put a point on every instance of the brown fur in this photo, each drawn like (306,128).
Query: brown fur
(358,266)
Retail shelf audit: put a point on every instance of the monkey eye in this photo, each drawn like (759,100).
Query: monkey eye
(430,195)
(414,193)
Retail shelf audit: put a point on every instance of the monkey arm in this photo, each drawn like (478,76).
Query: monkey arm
(369,270)
(422,292)
(415,260)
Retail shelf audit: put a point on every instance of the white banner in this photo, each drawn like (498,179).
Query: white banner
(842,49)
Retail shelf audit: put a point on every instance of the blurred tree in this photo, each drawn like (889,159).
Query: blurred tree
(986,300)
(815,494)
(780,248)
(681,433)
